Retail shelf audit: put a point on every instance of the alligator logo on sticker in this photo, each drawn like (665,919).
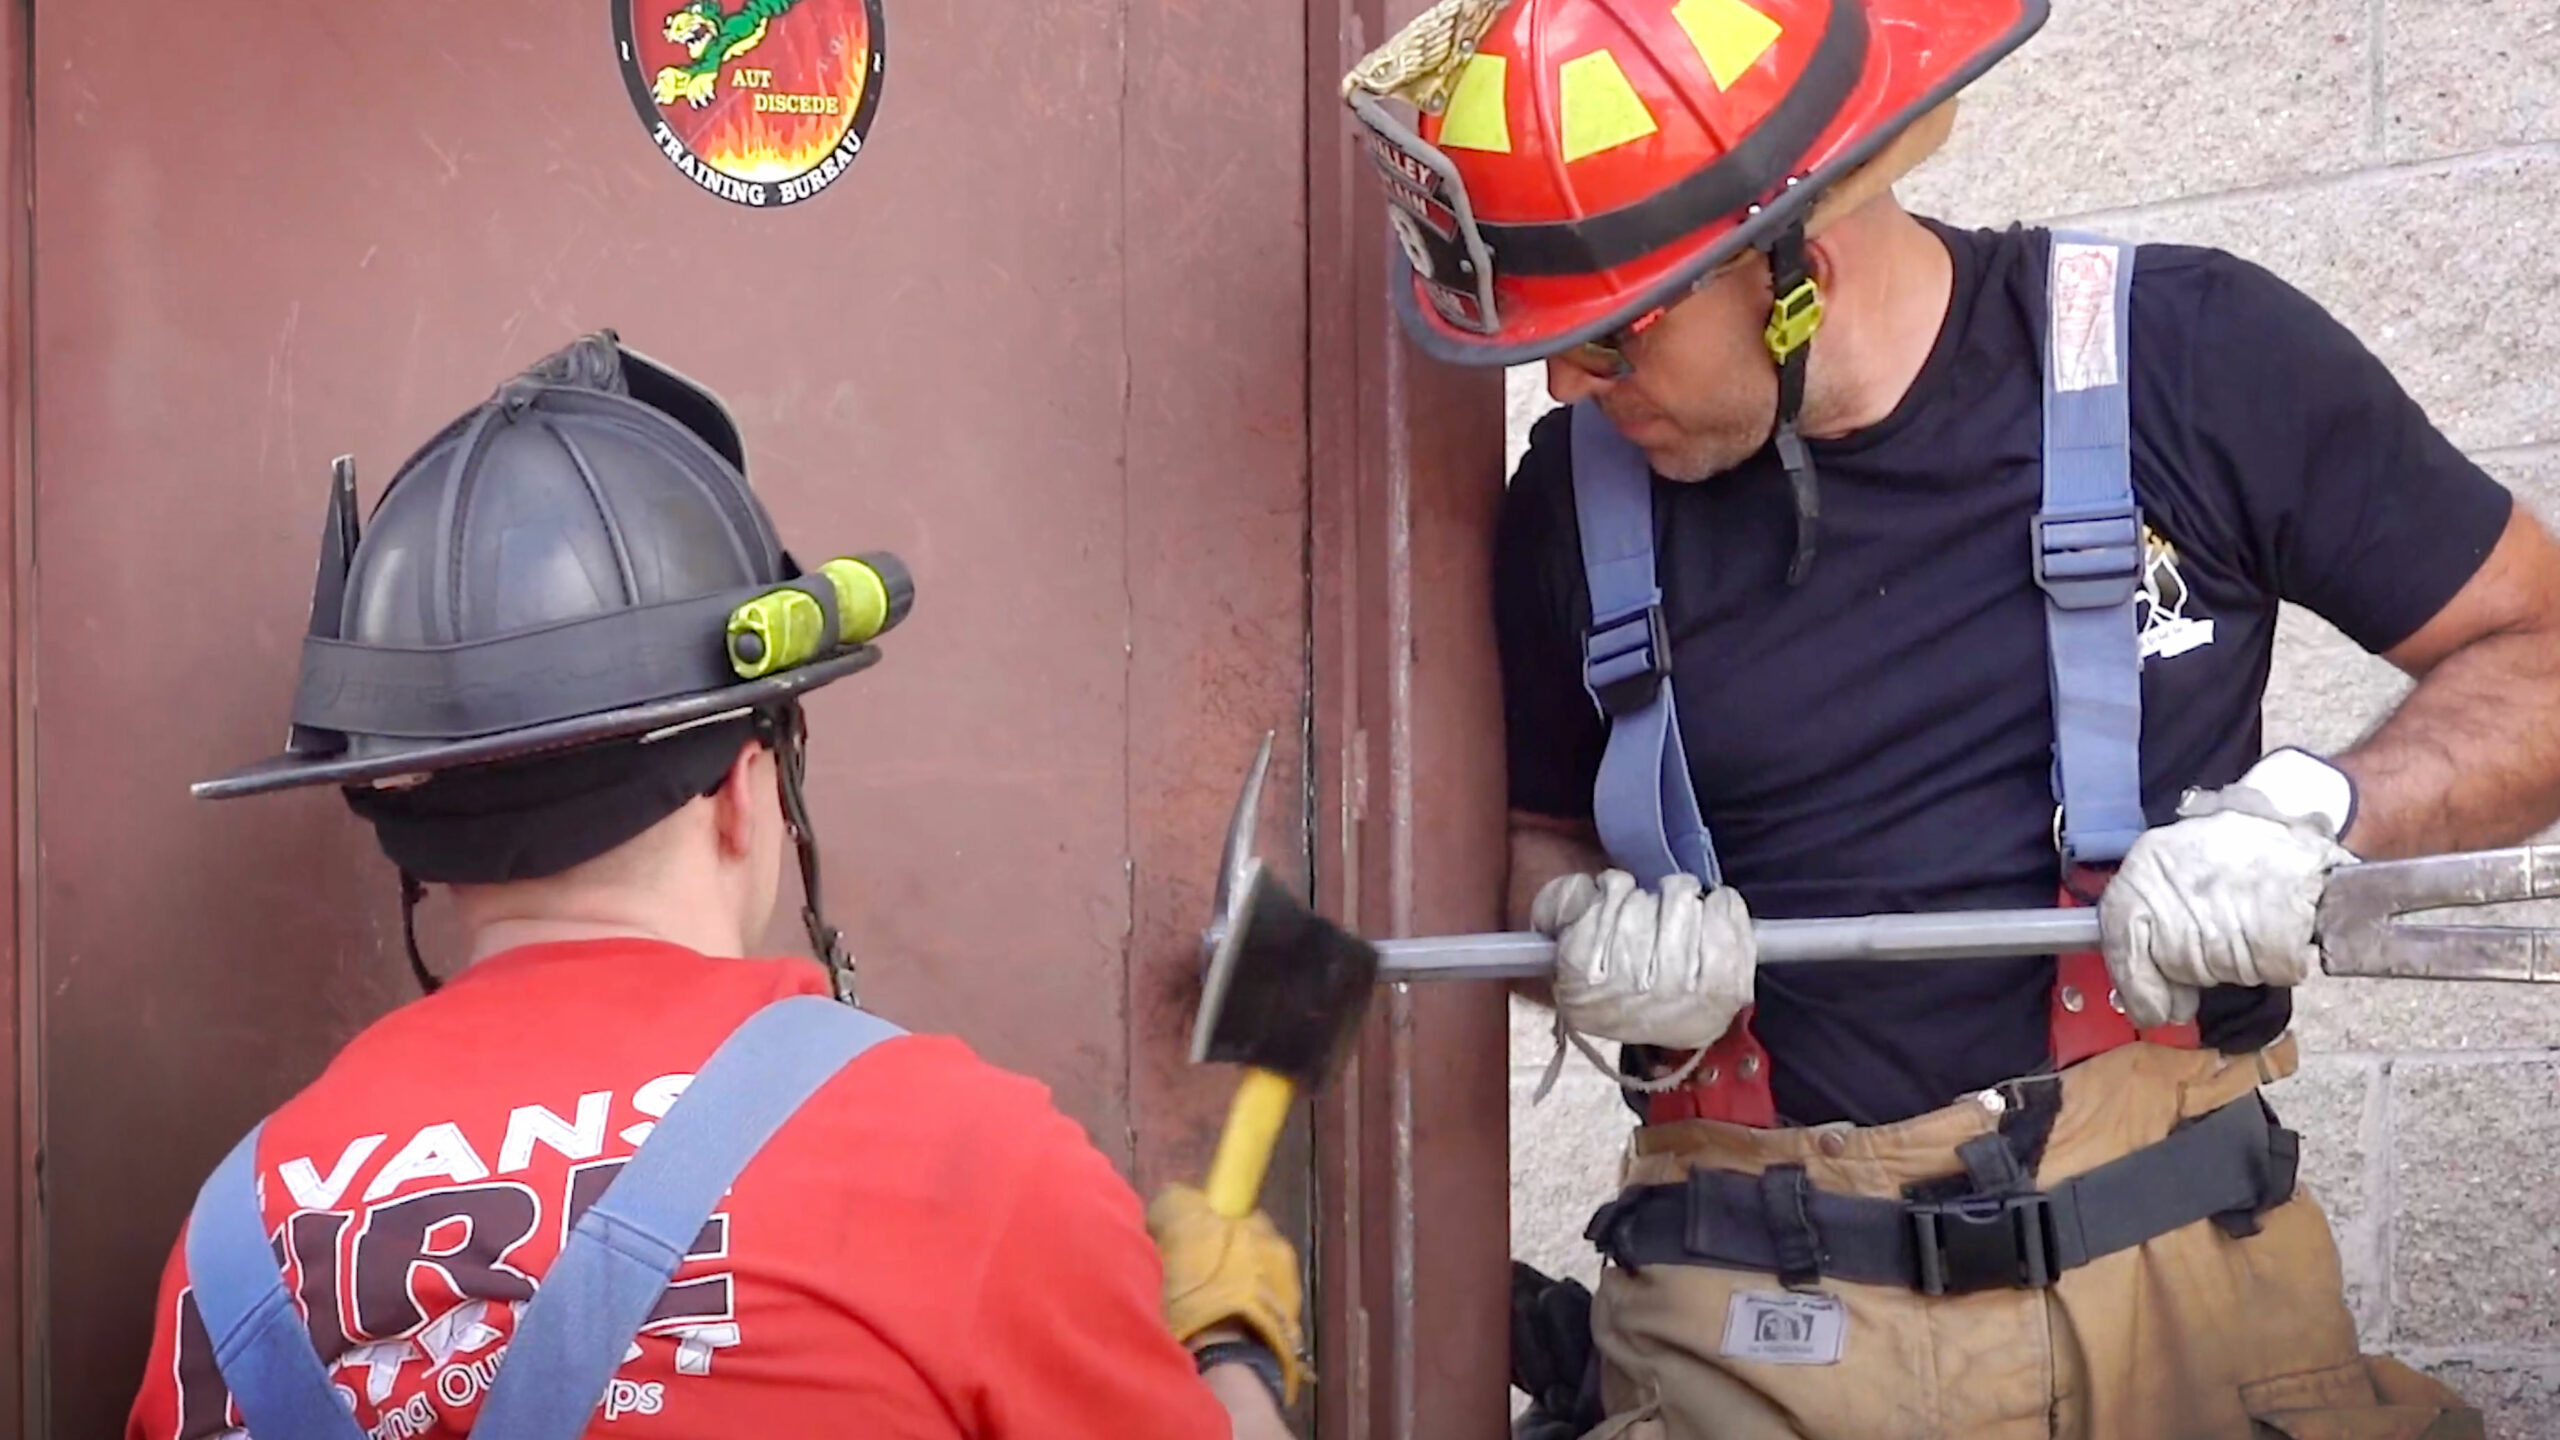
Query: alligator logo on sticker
(761,102)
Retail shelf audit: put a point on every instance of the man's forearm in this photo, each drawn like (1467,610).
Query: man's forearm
(2470,760)
(1543,848)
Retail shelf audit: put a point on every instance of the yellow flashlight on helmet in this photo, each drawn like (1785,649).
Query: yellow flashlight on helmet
(787,626)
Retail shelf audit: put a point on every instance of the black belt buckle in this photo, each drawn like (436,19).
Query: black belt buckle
(1983,1242)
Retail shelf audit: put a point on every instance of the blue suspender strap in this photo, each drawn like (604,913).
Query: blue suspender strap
(259,1340)
(2088,549)
(600,1290)
(627,1246)
(1645,806)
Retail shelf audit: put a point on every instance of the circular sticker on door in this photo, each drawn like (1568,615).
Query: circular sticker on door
(760,102)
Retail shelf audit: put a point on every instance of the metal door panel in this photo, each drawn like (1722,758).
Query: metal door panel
(262,240)
(1217,506)
(21,1274)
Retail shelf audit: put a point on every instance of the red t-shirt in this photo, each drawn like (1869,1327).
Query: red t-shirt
(928,1248)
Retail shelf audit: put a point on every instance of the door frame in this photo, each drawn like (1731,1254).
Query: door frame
(1413,1324)
(21,1001)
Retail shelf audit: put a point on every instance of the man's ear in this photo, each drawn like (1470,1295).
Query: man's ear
(742,795)
(1820,260)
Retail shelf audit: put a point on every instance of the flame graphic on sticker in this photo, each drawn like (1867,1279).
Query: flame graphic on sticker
(760,102)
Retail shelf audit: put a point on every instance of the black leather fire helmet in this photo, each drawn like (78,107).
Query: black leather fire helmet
(525,658)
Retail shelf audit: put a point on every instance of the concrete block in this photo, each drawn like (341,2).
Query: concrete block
(1532,1035)
(2478,361)
(2476,1259)
(2534,475)
(2333,1104)
(2118,103)
(1565,1154)
(2328,1100)
(2417,1015)
(2520,1398)
(2324,691)
(1525,398)
(2465,74)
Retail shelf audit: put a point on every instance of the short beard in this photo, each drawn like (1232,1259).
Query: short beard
(1706,456)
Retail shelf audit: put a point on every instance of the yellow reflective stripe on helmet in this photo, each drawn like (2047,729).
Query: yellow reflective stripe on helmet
(1600,110)
(1730,36)
(1476,119)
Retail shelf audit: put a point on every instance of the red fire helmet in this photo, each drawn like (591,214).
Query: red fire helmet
(1577,163)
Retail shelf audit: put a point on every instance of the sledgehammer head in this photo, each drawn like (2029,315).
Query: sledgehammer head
(1286,987)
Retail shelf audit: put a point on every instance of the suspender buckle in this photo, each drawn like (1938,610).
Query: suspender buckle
(1983,1242)
(1625,658)
(2089,559)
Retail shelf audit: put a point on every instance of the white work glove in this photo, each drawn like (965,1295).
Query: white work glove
(2227,894)
(1669,968)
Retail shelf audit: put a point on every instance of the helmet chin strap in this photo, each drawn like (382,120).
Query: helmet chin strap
(790,735)
(412,890)
(1794,314)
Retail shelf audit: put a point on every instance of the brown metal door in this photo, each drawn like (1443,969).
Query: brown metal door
(1047,338)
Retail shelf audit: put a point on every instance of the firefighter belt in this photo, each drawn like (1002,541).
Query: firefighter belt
(2150,1272)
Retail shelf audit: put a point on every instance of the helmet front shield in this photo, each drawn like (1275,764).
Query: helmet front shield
(1435,224)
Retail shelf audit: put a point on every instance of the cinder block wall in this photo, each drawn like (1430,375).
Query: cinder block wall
(2399,160)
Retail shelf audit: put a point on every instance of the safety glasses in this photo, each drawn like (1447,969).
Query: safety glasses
(1609,357)
(1606,358)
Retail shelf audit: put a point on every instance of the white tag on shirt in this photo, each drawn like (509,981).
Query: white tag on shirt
(1785,1328)
(2165,638)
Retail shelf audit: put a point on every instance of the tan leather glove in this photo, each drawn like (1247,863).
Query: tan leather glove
(1220,1272)
(1671,966)
(2228,894)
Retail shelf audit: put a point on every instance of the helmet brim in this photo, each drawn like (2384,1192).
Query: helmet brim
(291,771)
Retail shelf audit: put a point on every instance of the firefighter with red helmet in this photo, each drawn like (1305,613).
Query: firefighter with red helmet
(1876,565)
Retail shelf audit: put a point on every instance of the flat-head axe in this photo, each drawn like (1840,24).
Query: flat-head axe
(1284,991)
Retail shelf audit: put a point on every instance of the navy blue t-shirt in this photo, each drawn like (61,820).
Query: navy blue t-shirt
(1880,738)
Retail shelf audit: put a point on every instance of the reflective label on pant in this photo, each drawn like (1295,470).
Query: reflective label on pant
(1779,1327)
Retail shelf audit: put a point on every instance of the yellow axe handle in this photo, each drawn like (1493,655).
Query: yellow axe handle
(1244,1149)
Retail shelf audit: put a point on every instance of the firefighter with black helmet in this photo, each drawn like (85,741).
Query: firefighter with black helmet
(1874,565)
(617,1174)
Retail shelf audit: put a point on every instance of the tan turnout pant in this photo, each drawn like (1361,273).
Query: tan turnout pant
(2194,1334)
